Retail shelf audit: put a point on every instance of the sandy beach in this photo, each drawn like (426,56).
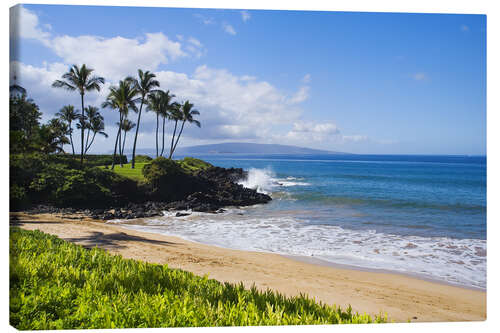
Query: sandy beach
(403,298)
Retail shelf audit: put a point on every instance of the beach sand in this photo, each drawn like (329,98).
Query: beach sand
(402,297)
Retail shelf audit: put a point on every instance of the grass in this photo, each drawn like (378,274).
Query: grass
(55,284)
(188,164)
(127,171)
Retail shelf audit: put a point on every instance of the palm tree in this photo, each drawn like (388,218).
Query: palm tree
(81,79)
(95,125)
(154,103)
(167,106)
(175,115)
(52,136)
(121,98)
(68,114)
(144,85)
(187,115)
(127,126)
(91,112)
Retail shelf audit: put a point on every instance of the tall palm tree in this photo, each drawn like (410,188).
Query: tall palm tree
(187,116)
(167,106)
(121,98)
(95,125)
(145,84)
(81,79)
(154,103)
(127,126)
(68,114)
(91,112)
(176,116)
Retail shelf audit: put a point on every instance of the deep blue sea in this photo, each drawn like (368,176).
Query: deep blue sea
(414,214)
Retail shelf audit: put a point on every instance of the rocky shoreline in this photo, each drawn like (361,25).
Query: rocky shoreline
(218,188)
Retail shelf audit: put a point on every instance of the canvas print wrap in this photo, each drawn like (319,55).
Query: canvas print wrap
(175,167)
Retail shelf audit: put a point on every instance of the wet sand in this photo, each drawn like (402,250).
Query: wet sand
(402,297)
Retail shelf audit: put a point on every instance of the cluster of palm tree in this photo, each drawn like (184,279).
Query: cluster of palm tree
(143,90)
(80,79)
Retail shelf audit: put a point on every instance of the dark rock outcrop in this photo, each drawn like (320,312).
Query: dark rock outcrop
(208,191)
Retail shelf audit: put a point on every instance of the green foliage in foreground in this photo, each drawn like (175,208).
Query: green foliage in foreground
(58,285)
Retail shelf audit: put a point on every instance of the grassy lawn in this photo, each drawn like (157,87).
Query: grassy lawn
(55,284)
(188,164)
(127,171)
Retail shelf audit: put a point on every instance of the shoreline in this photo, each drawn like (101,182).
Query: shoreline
(321,262)
(314,260)
(401,296)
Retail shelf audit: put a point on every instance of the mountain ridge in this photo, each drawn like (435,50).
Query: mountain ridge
(243,148)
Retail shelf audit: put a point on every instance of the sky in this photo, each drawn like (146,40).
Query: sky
(369,83)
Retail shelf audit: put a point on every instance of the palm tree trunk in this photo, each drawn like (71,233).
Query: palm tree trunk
(71,139)
(172,143)
(124,137)
(120,148)
(87,141)
(163,137)
(116,143)
(157,134)
(83,131)
(178,137)
(137,132)
(91,142)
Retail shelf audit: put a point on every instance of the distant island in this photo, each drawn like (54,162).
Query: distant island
(244,148)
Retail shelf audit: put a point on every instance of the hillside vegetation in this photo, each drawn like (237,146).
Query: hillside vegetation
(55,284)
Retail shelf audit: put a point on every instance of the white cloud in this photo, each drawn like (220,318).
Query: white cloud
(110,57)
(306,78)
(311,133)
(245,15)
(420,76)
(195,47)
(354,138)
(231,106)
(229,29)
(114,57)
(300,95)
(205,20)
(310,127)
(195,42)
(24,24)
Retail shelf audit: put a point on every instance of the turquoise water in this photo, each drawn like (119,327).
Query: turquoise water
(407,195)
(421,215)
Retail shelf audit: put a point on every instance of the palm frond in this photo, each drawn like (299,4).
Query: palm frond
(63,84)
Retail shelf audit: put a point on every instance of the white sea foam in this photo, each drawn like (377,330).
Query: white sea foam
(265,181)
(261,180)
(461,261)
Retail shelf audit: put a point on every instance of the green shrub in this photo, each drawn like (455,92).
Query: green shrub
(142,158)
(78,189)
(168,181)
(18,198)
(192,165)
(38,178)
(59,285)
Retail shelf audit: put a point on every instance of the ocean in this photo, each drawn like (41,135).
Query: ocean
(419,215)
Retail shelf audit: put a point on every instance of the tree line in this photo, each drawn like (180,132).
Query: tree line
(131,93)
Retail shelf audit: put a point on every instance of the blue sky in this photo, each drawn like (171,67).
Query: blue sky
(354,82)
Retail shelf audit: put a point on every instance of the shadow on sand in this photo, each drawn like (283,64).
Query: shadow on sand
(112,241)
